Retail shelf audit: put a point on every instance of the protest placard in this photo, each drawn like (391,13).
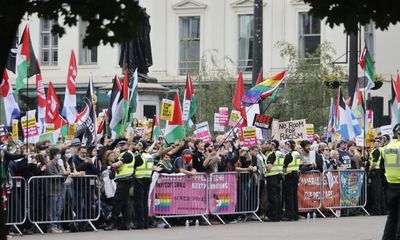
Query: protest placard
(310,132)
(249,136)
(291,130)
(14,134)
(203,132)
(262,121)
(217,126)
(29,127)
(223,116)
(167,109)
(234,118)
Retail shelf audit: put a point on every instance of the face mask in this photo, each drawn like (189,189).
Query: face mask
(68,155)
(187,158)
(58,156)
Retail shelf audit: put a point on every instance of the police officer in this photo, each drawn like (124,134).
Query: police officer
(392,168)
(291,166)
(273,173)
(124,173)
(375,157)
(142,187)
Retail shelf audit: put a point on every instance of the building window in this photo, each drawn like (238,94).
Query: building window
(189,44)
(87,56)
(48,44)
(309,35)
(246,34)
(369,37)
(149,111)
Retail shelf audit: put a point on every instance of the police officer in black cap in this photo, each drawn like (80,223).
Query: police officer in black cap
(124,170)
(375,157)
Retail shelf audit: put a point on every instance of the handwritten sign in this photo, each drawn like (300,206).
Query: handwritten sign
(292,130)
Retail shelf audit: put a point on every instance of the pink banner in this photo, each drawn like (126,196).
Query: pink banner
(223,195)
(180,195)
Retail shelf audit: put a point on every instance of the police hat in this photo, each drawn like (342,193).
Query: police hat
(396,129)
(304,143)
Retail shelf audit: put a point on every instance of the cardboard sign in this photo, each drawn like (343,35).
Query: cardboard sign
(217,126)
(203,132)
(292,130)
(15,130)
(167,109)
(262,121)
(223,116)
(234,118)
(29,127)
(249,136)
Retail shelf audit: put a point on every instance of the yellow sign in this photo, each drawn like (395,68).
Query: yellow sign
(15,129)
(167,109)
(49,128)
(234,118)
(71,131)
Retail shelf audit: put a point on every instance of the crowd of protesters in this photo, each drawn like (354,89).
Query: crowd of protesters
(277,164)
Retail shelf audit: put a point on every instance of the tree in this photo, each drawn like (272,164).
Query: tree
(110,21)
(354,12)
(305,94)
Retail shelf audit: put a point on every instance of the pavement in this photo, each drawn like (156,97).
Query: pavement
(354,228)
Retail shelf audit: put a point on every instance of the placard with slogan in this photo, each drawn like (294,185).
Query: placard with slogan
(310,132)
(203,132)
(15,129)
(167,109)
(223,116)
(291,130)
(217,126)
(262,121)
(249,136)
(234,118)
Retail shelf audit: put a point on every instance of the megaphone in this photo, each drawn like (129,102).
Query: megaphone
(11,148)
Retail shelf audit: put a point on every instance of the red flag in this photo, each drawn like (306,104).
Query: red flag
(126,85)
(59,122)
(239,92)
(72,72)
(189,87)
(40,89)
(52,105)
(260,77)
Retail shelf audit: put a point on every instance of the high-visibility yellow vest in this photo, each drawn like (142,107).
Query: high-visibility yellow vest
(146,168)
(295,164)
(127,170)
(392,161)
(371,158)
(277,167)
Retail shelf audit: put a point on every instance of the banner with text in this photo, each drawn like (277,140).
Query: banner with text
(180,195)
(351,184)
(222,194)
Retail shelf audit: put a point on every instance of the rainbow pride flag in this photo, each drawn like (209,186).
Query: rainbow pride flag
(264,89)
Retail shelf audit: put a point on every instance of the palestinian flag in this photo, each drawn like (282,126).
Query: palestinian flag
(26,65)
(174,129)
(116,108)
(156,129)
(189,103)
(367,65)
(394,108)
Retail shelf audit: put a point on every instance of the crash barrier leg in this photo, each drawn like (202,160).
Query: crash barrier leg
(344,189)
(56,199)
(178,196)
(310,191)
(16,203)
(233,193)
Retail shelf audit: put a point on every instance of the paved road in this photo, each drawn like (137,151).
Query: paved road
(354,228)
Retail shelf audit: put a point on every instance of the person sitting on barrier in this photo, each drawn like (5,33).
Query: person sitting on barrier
(291,166)
(183,164)
(54,190)
(311,160)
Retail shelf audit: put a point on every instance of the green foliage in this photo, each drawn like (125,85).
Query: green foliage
(305,94)
(215,85)
(351,13)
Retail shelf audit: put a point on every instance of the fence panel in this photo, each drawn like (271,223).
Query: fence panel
(58,199)
(17,203)
(309,192)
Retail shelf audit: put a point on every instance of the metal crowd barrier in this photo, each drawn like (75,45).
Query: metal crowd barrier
(177,195)
(233,193)
(344,189)
(310,191)
(17,203)
(57,199)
